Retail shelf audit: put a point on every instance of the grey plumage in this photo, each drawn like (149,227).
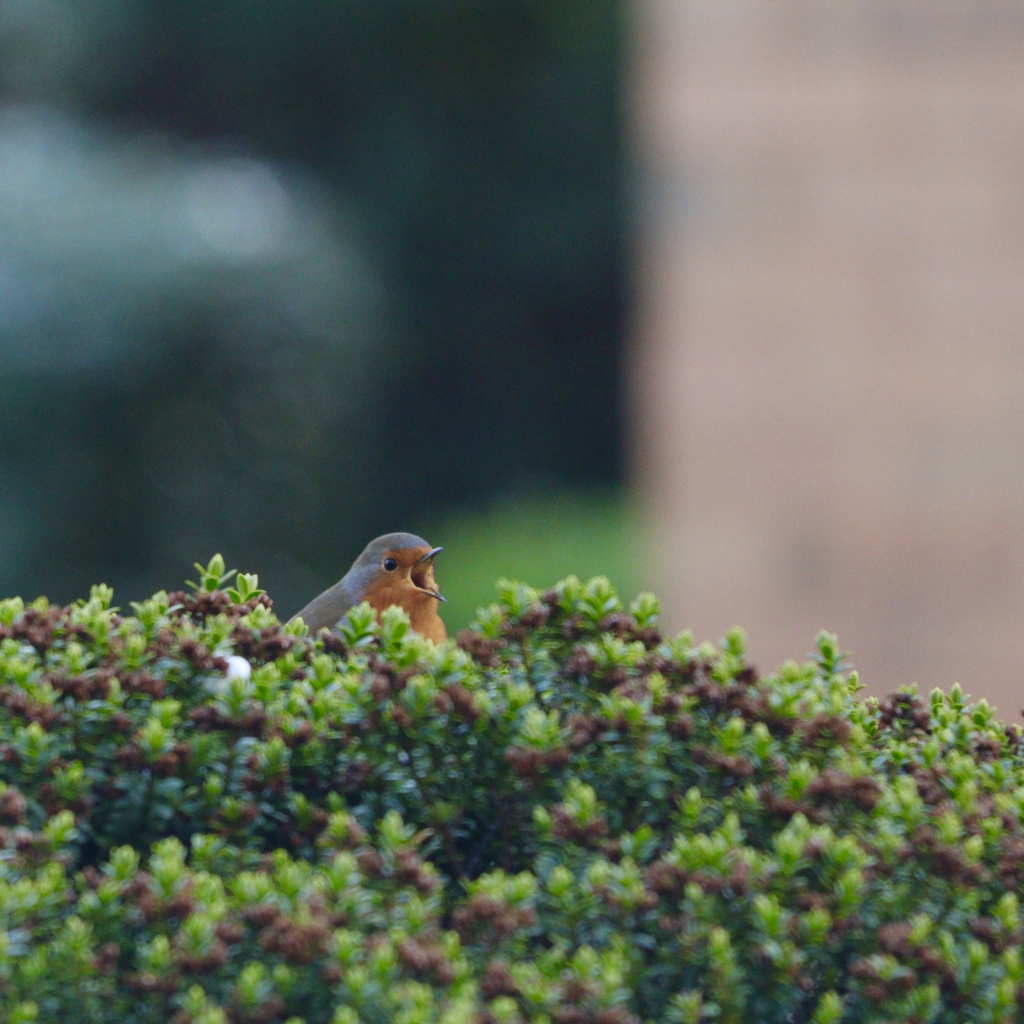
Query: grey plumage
(327,609)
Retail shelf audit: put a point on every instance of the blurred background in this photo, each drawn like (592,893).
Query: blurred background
(723,298)
(828,368)
(276,278)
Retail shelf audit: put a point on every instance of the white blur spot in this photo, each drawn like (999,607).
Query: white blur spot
(238,208)
(23,160)
(238,668)
(106,237)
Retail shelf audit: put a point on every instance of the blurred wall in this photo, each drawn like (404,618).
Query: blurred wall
(828,377)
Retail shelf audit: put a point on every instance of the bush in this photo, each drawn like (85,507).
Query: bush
(562,817)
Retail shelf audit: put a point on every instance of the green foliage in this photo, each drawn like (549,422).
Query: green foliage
(561,817)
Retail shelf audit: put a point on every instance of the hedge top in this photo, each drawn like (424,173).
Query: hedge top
(563,817)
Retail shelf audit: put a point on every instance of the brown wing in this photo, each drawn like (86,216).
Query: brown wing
(326,609)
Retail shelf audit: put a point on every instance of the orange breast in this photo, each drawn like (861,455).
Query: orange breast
(427,622)
(421,609)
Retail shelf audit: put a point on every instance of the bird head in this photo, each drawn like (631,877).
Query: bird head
(398,569)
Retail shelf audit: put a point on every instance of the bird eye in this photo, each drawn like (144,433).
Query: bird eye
(390,564)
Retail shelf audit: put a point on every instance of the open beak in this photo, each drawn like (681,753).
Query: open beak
(426,574)
(432,553)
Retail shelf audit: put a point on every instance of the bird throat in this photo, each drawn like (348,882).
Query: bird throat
(421,607)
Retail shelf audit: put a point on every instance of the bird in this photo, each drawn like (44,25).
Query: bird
(396,569)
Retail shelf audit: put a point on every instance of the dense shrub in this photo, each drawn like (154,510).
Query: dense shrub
(563,818)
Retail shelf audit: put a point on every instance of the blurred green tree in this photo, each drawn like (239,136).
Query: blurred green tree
(453,334)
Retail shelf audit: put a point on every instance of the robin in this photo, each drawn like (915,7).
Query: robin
(397,568)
